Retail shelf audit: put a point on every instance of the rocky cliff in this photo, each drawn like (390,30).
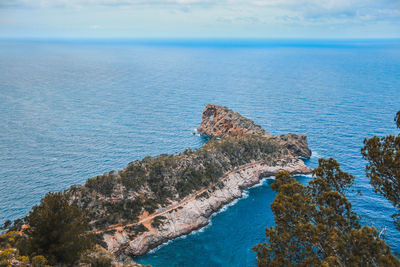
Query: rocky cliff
(193,212)
(161,198)
(219,121)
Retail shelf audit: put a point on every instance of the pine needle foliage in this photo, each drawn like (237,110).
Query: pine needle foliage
(315,225)
(383,168)
(57,230)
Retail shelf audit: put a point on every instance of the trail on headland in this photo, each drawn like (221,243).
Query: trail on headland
(160,198)
(145,218)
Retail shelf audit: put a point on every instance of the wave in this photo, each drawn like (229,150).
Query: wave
(316,155)
(303,175)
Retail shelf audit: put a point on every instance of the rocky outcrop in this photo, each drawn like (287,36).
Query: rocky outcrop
(160,198)
(295,143)
(219,121)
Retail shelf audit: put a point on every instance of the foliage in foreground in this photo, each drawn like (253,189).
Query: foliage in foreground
(383,168)
(97,256)
(57,230)
(57,235)
(315,225)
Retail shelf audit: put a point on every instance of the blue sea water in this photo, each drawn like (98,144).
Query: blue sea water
(73,109)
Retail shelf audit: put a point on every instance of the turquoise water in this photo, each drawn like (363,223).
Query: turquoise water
(70,110)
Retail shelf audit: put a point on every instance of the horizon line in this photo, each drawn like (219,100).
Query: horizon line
(215,42)
(197,38)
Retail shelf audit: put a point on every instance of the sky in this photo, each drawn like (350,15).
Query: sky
(317,19)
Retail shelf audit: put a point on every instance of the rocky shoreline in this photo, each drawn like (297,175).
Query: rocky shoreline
(161,198)
(195,213)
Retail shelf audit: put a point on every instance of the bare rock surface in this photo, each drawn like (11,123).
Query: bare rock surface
(220,121)
(296,143)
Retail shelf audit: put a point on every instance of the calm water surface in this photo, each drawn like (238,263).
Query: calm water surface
(73,110)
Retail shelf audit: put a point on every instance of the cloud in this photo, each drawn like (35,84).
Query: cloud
(95,27)
(331,11)
(212,15)
(308,7)
(93,3)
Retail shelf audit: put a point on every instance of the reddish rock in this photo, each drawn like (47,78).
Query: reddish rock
(220,121)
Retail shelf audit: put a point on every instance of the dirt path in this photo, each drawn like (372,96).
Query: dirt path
(145,218)
(146,222)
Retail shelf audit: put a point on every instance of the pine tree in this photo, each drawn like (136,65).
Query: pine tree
(56,230)
(383,168)
(315,225)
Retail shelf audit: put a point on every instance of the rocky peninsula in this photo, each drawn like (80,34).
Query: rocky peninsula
(161,198)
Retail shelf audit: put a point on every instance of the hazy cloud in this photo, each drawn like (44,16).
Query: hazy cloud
(95,27)
(176,15)
(312,9)
(92,3)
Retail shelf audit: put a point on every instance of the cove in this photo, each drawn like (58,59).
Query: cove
(228,239)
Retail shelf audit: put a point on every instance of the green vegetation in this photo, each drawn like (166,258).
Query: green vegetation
(98,257)
(315,225)
(8,252)
(39,261)
(57,235)
(136,228)
(57,230)
(157,221)
(154,181)
(203,195)
(383,168)
(103,183)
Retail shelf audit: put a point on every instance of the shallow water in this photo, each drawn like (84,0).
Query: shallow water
(72,110)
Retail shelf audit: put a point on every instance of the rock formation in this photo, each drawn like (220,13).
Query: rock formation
(160,198)
(219,121)
(296,143)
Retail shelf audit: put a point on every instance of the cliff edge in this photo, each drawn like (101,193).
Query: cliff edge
(220,121)
(160,198)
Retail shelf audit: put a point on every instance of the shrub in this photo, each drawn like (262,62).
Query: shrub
(39,261)
(57,230)
(104,184)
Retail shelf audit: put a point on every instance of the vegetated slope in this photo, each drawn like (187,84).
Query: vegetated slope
(154,182)
(160,198)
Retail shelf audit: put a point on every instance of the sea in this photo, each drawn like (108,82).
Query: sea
(71,109)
